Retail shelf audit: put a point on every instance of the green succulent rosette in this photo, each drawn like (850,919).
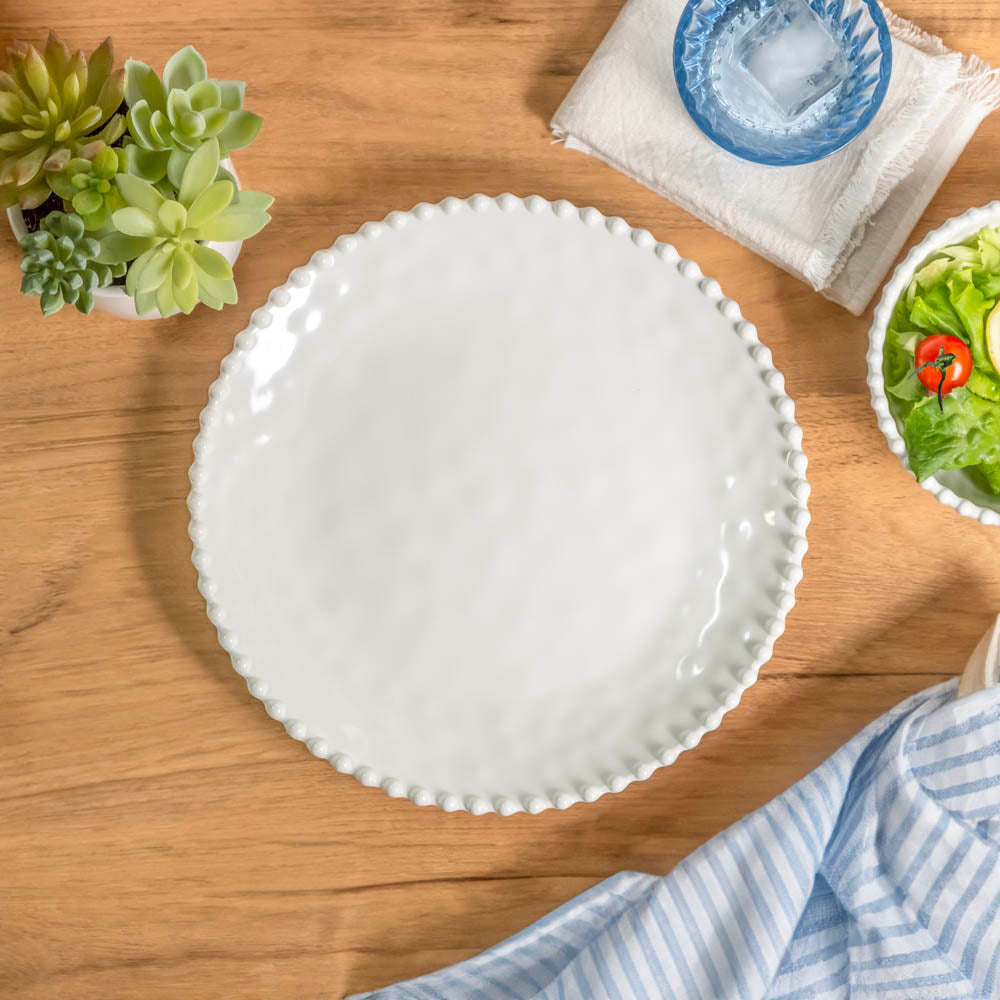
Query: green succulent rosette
(60,264)
(168,121)
(88,186)
(164,237)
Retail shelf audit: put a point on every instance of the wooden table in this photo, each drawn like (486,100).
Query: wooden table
(160,836)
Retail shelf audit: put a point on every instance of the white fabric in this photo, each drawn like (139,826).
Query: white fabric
(837,224)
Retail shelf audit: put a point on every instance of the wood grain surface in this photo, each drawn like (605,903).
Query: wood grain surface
(160,836)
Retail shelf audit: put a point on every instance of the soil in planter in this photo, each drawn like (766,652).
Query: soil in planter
(33,216)
(122,110)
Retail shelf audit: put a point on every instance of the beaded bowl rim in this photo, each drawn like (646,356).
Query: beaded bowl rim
(955,230)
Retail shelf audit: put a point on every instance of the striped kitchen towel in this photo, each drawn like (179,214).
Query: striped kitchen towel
(878,875)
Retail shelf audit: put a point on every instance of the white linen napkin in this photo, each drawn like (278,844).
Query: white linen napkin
(836,224)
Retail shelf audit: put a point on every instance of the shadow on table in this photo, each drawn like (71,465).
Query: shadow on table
(566,57)
(159,455)
(392,183)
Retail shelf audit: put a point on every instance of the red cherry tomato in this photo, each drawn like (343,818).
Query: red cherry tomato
(943,363)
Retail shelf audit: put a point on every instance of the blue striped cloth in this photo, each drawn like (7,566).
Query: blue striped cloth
(878,875)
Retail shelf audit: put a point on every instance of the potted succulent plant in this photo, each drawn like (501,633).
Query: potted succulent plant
(119,186)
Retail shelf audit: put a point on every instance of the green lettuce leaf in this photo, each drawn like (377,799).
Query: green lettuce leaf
(991,473)
(988,284)
(986,273)
(984,385)
(968,303)
(933,311)
(966,431)
(900,346)
(964,252)
(989,250)
(972,308)
(935,271)
(909,389)
(953,292)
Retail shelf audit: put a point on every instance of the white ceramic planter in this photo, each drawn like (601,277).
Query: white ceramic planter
(957,489)
(114,299)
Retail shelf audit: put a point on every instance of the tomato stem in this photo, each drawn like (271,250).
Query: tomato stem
(941,364)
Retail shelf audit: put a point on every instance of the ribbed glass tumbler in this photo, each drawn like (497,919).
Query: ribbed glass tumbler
(782,82)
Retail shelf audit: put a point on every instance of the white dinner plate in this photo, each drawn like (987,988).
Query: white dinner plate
(498,504)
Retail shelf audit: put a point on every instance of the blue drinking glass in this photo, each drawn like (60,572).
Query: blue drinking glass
(782,82)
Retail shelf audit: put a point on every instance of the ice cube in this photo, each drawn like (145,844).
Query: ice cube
(793,57)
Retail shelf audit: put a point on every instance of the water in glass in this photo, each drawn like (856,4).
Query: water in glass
(781,68)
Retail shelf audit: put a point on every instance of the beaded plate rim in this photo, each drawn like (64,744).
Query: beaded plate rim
(757,651)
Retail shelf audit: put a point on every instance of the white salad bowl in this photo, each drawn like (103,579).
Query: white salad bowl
(955,488)
(114,299)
